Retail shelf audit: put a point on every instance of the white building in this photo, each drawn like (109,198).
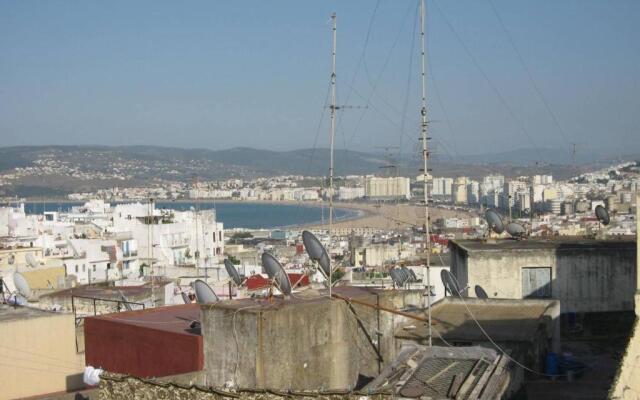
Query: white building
(172,238)
(387,188)
(442,187)
(350,193)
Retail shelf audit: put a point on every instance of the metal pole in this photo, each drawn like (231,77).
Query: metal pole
(425,157)
(332,135)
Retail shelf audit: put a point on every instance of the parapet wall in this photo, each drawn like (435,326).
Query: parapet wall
(301,344)
(121,387)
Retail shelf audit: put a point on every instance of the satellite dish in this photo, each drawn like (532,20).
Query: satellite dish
(405,274)
(480,293)
(449,283)
(414,277)
(411,276)
(276,272)
(494,221)
(21,284)
(204,293)
(233,272)
(516,230)
(396,277)
(603,215)
(317,252)
(31,260)
(185,298)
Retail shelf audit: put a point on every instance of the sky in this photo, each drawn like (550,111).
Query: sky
(502,74)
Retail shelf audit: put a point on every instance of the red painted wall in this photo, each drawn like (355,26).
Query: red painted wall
(140,351)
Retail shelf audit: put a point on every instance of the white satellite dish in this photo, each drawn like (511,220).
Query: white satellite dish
(31,260)
(21,284)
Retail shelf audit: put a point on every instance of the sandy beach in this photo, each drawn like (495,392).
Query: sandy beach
(390,216)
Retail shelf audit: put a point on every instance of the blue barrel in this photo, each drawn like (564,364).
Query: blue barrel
(551,364)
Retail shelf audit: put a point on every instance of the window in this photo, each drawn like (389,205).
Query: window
(84,268)
(536,282)
(76,268)
(94,268)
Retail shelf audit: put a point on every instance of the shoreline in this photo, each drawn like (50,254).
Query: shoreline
(358,211)
(366,215)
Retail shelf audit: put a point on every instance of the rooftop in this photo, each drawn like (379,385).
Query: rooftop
(512,320)
(108,292)
(559,243)
(444,373)
(11,313)
(309,296)
(171,318)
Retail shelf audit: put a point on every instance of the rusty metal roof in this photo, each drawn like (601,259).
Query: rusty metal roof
(170,318)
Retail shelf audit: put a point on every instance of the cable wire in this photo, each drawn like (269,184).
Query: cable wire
(498,347)
(489,82)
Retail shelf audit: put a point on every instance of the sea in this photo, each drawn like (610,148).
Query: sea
(233,214)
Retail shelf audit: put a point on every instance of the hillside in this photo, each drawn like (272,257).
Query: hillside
(56,170)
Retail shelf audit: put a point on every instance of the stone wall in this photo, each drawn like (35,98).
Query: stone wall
(301,344)
(119,387)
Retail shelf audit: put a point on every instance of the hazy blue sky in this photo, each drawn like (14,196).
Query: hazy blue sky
(220,74)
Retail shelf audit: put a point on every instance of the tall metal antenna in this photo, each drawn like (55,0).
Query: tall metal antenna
(425,157)
(333,108)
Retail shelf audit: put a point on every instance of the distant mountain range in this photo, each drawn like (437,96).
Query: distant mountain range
(63,169)
(556,156)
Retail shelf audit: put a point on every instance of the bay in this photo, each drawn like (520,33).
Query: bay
(232,214)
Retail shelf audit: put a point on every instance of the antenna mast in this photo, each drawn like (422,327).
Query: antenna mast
(333,108)
(425,157)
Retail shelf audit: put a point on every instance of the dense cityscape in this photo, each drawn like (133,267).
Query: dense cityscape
(167,233)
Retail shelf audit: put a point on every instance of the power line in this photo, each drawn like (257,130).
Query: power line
(493,87)
(554,118)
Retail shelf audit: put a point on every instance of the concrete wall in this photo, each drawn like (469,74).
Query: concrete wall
(583,279)
(299,344)
(39,356)
(627,381)
(592,281)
